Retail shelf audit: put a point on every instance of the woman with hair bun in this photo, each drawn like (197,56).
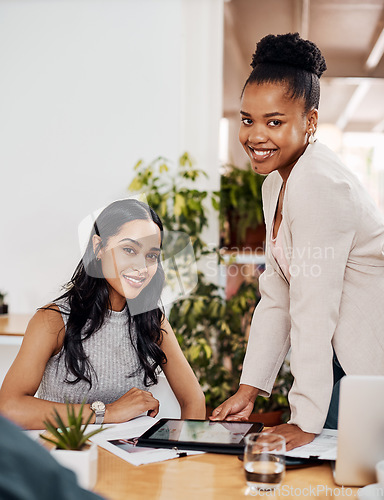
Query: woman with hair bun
(322,292)
(105,338)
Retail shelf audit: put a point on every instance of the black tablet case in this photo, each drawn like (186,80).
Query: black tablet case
(231,449)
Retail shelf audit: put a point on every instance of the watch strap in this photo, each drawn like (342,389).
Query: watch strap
(99,416)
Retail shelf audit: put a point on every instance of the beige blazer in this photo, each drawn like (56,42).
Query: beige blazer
(333,239)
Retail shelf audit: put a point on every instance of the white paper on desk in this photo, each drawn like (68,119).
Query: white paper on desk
(324,446)
(116,439)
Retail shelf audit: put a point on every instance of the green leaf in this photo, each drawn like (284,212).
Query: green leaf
(136,184)
(52,429)
(185,160)
(194,352)
(61,424)
(233,198)
(85,438)
(208,351)
(179,205)
(57,444)
(215,203)
(198,306)
(138,164)
(79,419)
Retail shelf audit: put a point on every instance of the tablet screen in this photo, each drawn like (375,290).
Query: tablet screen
(202,431)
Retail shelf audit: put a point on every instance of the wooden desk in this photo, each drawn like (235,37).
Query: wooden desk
(14,324)
(201,477)
(205,477)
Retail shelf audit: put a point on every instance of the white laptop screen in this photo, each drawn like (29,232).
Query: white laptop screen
(360,429)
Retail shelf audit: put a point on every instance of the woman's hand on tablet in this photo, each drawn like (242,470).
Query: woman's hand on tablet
(130,405)
(294,436)
(237,407)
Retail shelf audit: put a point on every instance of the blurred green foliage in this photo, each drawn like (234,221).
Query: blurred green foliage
(240,201)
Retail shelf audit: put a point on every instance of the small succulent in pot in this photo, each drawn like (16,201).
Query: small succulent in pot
(69,436)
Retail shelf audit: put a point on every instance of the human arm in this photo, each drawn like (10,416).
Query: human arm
(181,377)
(320,210)
(44,338)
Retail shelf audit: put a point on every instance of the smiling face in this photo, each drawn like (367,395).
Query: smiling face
(129,260)
(274,128)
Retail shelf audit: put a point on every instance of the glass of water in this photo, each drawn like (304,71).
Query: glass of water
(264,460)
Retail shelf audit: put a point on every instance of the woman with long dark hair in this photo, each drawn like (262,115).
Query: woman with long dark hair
(105,338)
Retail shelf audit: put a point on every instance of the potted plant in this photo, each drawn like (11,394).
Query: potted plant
(72,448)
(241,209)
(3,305)
(212,330)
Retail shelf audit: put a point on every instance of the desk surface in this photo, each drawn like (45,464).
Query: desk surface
(14,324)
(205,477)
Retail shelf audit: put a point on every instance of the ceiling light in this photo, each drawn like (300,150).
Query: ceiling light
(357,96)
(376,53)
(379,127)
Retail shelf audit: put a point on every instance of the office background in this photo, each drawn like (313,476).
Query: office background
(88,87)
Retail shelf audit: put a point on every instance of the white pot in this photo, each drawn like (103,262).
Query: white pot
(83,463)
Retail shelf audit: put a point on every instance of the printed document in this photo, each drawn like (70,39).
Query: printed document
(324,447)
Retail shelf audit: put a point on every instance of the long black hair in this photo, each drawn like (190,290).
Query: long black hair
(291,60)
(89,304)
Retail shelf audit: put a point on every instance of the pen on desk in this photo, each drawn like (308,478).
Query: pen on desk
(180,454)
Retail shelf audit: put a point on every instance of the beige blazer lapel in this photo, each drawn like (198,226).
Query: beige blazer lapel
(271,192)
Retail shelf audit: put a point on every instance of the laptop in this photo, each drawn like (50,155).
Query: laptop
(360,429)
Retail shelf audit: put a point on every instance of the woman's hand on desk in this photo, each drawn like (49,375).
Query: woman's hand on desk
(237,407)
(294,436)
(130,405)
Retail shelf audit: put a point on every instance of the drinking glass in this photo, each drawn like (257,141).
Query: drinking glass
(264,460)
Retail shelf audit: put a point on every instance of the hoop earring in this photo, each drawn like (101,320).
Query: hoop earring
(312,138)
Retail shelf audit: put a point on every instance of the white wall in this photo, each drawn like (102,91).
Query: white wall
(9,347)
(236,69)
(87,88)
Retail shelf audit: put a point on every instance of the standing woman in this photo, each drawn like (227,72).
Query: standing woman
(322,292)
(103,340)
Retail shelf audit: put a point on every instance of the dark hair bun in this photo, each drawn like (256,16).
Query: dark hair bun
(291,50)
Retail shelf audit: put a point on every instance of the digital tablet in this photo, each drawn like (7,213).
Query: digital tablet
(202,435)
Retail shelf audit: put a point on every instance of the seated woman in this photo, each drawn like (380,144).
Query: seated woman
(105,338)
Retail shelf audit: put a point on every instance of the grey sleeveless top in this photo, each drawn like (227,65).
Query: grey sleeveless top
(112,355)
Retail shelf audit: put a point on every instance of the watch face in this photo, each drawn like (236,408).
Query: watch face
(98,406)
